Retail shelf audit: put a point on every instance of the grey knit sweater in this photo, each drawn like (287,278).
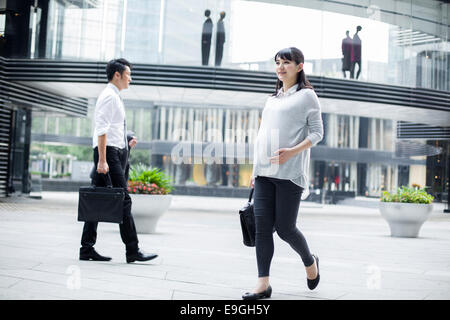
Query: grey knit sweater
(288,119)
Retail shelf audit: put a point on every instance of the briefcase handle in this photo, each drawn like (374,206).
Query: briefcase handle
(106,178)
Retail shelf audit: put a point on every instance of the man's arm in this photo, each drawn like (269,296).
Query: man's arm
(103,119)
(102,166)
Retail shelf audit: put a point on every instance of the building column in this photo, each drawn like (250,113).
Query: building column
(190,125)
(57,126)
(354,177)
(373,134)
(447,179)
(351,130)
(356,133)
(388,184)
(396,177)
(363,133)
(26,182)
(382,134)
(140,132)
(170,124)
(50,170)
(162,124)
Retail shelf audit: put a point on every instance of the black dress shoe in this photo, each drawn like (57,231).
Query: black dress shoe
(93,255)
(140,256)
(255,296)
(314,282)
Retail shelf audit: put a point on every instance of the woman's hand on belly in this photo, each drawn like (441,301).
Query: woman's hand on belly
(282,155)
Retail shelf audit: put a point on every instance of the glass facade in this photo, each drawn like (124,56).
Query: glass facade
(400,42)
(389,42)
(227,126)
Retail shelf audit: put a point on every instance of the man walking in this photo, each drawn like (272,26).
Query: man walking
(110,157)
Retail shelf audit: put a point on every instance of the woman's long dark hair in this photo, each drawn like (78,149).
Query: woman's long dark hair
(295,55)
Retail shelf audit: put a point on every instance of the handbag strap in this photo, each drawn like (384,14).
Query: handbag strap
(251,195)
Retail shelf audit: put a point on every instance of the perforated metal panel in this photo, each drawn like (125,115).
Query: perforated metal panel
(23,70)
(5,146)
(408,130)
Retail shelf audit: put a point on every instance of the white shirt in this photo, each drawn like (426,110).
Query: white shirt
(287,119)
(109,118)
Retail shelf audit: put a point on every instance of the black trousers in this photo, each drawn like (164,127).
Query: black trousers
(276,203)
(117,160)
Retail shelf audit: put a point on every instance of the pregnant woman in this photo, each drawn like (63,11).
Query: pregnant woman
(291,124)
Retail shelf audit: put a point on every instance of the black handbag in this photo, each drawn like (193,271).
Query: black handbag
(101,204)
(247,218)
(248,226)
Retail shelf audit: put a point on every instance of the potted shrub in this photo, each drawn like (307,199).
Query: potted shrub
(406,210)
(149,190)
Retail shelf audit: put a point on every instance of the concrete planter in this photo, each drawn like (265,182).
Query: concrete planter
(147,209)
(405,219)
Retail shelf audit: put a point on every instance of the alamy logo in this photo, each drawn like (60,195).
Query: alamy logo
(74,280)
(374,279)
(188,152)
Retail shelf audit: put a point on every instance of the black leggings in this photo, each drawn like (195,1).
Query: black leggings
(276,203)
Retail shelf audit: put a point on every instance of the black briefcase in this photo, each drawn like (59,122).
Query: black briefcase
(101,204)
(247,218)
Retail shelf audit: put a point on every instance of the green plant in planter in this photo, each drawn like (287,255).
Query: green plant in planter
(408,195)
(145,180)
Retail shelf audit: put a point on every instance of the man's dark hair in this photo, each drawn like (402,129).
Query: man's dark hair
(114,65)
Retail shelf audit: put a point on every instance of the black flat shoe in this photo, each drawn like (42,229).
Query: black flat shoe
(255,296)
(314,282)
(93,255)
(140,256)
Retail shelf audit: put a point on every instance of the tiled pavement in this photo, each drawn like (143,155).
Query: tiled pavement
(201,255)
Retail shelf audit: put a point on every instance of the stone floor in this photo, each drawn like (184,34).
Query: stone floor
(201,255)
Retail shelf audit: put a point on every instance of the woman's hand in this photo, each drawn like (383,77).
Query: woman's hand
(252,182)
(282,155)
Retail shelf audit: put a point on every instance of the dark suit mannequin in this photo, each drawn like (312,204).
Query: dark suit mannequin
(346,53)
(206,38)
(356,54)
(220,39)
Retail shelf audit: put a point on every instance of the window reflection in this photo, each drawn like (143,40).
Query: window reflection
(392,48)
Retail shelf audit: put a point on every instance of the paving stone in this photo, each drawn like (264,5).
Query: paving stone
(201,255)
(7,282)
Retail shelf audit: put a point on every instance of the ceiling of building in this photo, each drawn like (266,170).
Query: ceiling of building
(236,99)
